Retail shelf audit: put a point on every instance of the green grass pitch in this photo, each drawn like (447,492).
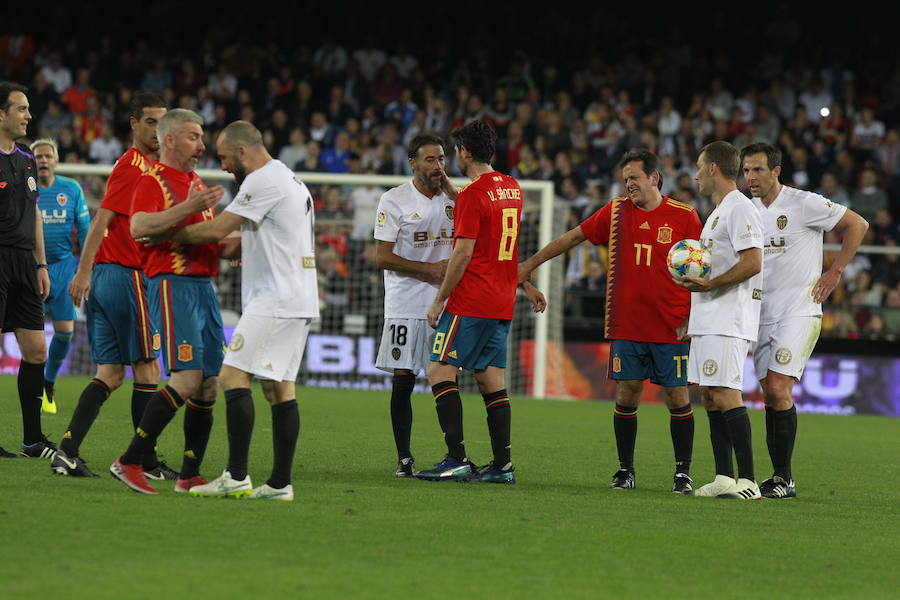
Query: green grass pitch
(354,531)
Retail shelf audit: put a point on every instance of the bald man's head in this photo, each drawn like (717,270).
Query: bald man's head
(241,133)
(240,149)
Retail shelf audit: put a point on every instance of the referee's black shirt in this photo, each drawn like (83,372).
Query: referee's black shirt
(18,198)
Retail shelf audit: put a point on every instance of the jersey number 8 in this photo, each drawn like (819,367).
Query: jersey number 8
(509,234)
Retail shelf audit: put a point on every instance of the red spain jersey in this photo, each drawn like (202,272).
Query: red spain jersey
(643,303)
(118,246)
(160,188)
(488,210)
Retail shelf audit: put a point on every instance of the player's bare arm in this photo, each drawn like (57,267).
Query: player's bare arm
(386,259)
(749,264)
(459,260)
(150,224)
(43,276)
(682,329)
(80,288)
(535,296)
(208,231)
(563,243)
(852,228)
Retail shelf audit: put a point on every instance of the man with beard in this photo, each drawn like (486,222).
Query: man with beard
(413,233)
(279,298)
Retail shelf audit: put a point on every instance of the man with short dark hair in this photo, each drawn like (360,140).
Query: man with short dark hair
(724,319)
(479,289)
(644,306)
(413,235)
(24,282)
(63,210)
(794,222)
(110,282)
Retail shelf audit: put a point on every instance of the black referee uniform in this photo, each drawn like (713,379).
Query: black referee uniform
(20,297)
(21,306)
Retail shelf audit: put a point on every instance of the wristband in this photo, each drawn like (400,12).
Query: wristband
(42,266)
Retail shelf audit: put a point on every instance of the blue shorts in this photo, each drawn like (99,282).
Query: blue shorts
(470,342)
(662,364)
(119,323)
(59,304)
(189,320)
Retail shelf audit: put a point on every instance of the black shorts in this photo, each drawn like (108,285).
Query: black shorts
(20,296)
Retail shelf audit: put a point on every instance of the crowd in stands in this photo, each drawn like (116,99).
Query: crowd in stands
(352,108)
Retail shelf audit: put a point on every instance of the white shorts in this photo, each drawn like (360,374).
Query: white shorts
(718,361)
(784,347)
(268,347)
(405,344)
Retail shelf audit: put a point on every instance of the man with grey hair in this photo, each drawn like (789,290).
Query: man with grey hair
(62,209)
(181,295)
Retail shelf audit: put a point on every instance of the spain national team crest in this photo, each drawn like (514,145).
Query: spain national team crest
(664,235)
(710,367)
(61,199)
(395,353)
(715,222)
(156,341)
(237,342)
(185,353)
(783,356)
(781,221)
(448,210)
(617,364)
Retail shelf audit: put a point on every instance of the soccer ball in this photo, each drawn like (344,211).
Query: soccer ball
(689,258)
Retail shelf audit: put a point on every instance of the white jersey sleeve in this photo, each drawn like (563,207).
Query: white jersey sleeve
(387,219)
(821,213)
(744,227)
(256,197)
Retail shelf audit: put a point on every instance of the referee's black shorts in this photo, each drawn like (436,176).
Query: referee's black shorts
(20,296)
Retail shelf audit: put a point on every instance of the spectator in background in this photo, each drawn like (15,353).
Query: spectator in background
(75,97)
(320,130)
(158,78)
(403,110)
(867,134)
(105,149)
(311,162)
(868,198)
(295,151)
(57,74)
(363,201)
(888,156)
(337,159)
(53,120)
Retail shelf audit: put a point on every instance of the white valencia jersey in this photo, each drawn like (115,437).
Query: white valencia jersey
(731,310)
(422,230)
(793,226)
(277,245)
